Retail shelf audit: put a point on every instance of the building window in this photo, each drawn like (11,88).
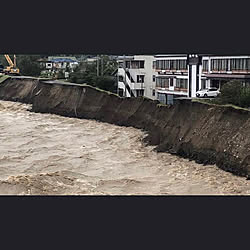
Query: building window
(137,65)
(219,64)
(154,64)
(128,63)
(120,78)
(205,65)
(203,83)
(240,64)
(162,98)
(181,83)
(178,64)
(153,78)
(162,82)
(140,78)
(153,92)
(141,64)
(139,92)
(120,92)
(171,82)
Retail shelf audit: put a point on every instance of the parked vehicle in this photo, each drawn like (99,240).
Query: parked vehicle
(209,92)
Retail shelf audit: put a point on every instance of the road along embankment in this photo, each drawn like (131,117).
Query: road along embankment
(204,133)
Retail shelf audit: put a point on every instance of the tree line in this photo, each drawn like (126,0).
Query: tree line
(97,74)
(28,64)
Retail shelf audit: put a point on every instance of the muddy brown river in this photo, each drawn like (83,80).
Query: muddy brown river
(45,154)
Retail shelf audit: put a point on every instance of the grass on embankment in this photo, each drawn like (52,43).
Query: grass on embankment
(3,78)
(212,103)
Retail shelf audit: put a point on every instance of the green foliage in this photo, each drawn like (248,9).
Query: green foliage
(231,92)
(45,74)
(60,74)
(87,73)
(235,93)
(3,78)
(215,102)
(3,61)
(245,97)
(28,65)
(106,83)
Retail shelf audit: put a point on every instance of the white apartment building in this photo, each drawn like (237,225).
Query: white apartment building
(171,73)
(165,77)
(136,76)
(184,75)
(220,69)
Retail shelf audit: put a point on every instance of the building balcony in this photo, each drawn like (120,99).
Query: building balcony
(180,89)
(138,85)
(172,92)
(171,71)
(230,71)
(175,89)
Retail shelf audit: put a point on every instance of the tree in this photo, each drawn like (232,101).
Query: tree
(3,61)
(87,73)
(234,92)
(231,91)
(28,65)
(107,83)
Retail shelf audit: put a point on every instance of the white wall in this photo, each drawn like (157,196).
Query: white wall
(148,73)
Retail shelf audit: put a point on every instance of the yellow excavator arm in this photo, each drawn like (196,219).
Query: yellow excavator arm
(11,69)
(9,60)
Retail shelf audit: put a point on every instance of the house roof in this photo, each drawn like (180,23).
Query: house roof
(62,59)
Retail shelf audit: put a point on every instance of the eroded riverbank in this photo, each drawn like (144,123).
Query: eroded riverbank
(50,154)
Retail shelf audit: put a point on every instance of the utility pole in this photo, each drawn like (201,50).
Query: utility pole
(15,61)
(117,78)
(124,67)
(97,66)
(102,64)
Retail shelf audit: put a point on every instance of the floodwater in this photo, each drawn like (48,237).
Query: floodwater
(45,154)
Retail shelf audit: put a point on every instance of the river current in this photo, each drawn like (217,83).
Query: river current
(46,154)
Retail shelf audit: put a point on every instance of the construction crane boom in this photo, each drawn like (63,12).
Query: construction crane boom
(9,60)
(12,68)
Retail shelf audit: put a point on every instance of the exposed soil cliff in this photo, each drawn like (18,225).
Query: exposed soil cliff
(18,89)
(205,133)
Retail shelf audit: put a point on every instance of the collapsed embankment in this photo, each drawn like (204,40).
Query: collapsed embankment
(207,134)
(19,89)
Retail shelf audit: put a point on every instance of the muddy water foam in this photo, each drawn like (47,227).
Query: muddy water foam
(50,154)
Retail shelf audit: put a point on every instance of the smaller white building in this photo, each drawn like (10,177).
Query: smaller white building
(53,65)
(58,63)
(136,76)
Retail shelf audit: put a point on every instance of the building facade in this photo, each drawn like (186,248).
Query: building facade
(53,65)
(136,76)
(184,75)
(166,77)
(171,74)
(220,69)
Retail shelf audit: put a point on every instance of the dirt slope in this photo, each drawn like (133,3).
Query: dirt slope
(18,89)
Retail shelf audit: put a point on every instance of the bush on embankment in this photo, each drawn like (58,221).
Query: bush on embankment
(87,74)
(233,92)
